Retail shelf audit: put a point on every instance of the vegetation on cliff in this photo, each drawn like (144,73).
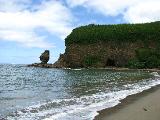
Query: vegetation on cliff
(145,58)
(120,33)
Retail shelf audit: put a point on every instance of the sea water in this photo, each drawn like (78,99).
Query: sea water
(28,93)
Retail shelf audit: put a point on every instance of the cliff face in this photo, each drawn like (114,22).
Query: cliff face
(106,54)
(112,45)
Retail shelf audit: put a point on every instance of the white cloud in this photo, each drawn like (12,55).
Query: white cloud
(18,23)
(132,10)
(106,7)
(146,11)
(26,38)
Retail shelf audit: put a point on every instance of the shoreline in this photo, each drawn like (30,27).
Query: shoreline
(39,65)
(141,106)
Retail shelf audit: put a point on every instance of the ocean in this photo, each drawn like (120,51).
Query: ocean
(29,93)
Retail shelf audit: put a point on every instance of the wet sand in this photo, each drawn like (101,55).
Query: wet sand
(142,106)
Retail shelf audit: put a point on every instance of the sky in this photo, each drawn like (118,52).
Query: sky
(28,27)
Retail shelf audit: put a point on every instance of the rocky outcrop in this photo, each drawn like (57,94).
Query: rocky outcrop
(44,57)
(61,62)
(41,65)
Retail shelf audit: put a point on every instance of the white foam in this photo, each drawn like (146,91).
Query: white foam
(76,69)
(155,74)
(86,107)
(116,97)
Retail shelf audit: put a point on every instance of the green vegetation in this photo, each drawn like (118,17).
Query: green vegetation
(91,60)
(134,63)
(145,58)
(119,33)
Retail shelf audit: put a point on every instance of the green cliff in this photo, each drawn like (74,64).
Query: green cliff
(123,45)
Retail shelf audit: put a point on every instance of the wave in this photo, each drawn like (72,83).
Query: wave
(155,74)
(78,69)
(82,108)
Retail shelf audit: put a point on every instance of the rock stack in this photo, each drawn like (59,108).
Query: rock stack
(44,58)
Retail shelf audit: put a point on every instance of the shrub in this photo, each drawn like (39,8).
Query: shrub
(135,63)
(145,58)
(143,54)
(152,62)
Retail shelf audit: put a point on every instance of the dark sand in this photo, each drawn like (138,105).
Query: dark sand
(142,106)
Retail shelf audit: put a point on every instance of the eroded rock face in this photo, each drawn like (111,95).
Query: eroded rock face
(103,54)
(44,57)
(61,63)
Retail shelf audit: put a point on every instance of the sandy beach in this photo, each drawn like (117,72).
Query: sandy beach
(142,106)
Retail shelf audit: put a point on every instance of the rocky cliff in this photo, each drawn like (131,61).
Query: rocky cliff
(110,45)
(98,55)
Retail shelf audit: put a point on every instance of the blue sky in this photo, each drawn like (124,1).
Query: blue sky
(28,27)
